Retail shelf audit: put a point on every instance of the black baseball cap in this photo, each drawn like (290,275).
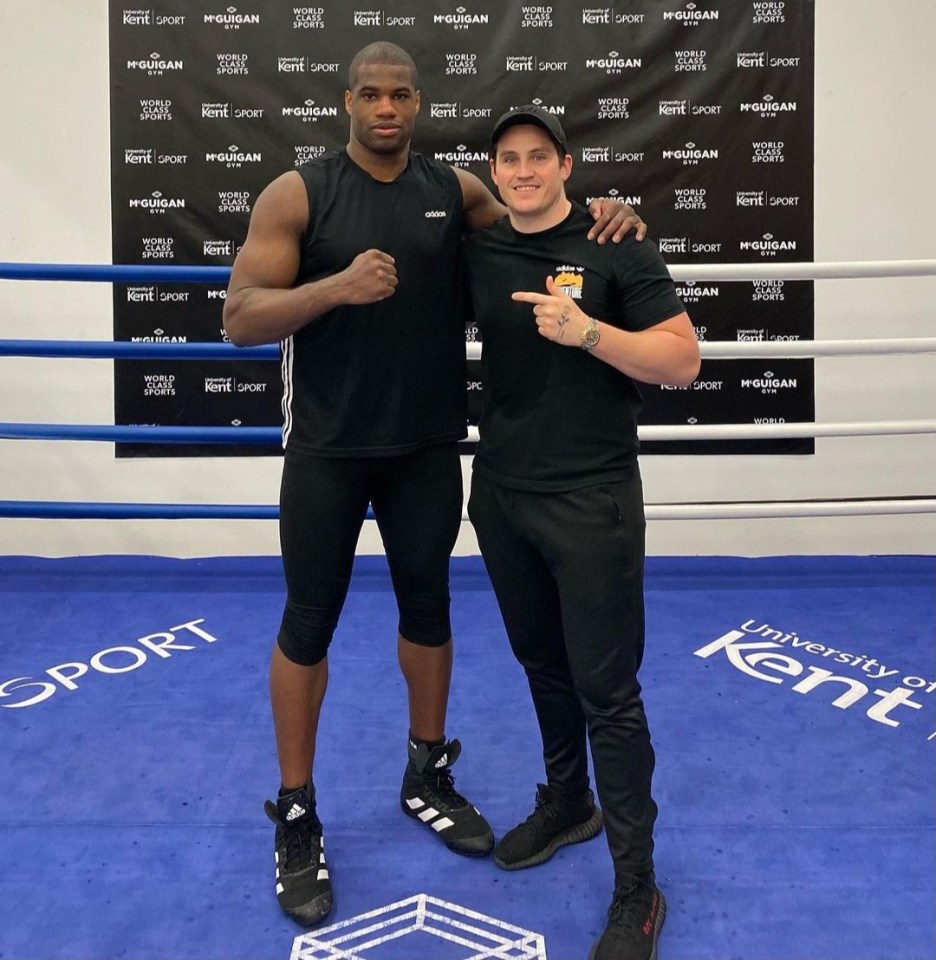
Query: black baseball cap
(530,113)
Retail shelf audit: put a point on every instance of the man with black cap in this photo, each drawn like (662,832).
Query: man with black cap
(557,505)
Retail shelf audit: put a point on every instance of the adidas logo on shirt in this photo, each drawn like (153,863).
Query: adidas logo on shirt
(435,213)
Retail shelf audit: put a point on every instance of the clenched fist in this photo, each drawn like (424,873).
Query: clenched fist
(371,277)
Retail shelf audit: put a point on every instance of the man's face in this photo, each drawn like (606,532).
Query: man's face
(527,170)
(383,107)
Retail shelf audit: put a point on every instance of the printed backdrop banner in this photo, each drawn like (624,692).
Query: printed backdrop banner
(698,114)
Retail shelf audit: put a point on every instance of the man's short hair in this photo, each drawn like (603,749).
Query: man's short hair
(382,53)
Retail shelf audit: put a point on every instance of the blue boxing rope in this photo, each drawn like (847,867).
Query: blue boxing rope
(76,510)
(126,350)
(113,273)
(144,434)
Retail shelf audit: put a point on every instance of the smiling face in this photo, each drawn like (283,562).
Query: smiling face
(383,107)
(530,177)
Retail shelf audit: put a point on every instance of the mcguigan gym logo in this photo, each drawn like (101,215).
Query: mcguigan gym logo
(156,203)
(28,691)
(233,158)
(158,248)
(694,292)
(767,151)
(147,18)
(769,384)
(570,280)
(155,65)
(309,112)
(231,19)
(232,65)
(768,291)
(690,155)
(462,154)
(606,17)
(456,111)
(768,11)
(461,64)
(767,107)
(767,246)
(156,110)
(557,110)
(762,652)
(234,201)
(613,63)
(153,294)
(306,65)
(634,199)
(377,18)
(226,111)
(532,64)
(692,16)
(614,108)
(308,18)
(690,198)
(461,19)
(535,17)
(160,336)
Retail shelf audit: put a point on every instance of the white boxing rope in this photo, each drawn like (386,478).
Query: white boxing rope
(760,431)
(808,508)
(730,350)
(846,270)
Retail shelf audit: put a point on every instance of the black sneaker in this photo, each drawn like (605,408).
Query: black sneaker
(554,823)
(428,794)
(635,917)
(303,888)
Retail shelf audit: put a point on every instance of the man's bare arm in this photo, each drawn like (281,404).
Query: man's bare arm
(262,305)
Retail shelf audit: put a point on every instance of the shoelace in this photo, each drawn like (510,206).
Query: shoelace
(299,840)
(442,784)
(628,910)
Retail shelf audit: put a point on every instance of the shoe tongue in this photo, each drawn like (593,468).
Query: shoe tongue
(294,805)
(442,757)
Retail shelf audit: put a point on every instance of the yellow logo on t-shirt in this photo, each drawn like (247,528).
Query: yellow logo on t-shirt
(570,284)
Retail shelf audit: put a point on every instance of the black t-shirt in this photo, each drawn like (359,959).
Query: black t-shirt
(383,378)
(555,418)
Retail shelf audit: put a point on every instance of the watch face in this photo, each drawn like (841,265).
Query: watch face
(590,336)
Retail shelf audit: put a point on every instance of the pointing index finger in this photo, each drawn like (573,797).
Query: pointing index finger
(531,297)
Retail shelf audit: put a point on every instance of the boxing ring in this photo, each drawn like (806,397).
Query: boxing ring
(271,435)
(792,701)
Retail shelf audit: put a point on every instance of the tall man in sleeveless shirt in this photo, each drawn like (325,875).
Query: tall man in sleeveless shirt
(352,261)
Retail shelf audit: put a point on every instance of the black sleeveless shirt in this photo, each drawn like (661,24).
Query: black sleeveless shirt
(383,378)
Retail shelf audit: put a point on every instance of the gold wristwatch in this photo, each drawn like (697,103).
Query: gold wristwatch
(590,335)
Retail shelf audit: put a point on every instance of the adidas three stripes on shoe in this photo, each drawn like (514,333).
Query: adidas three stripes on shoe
(428,794)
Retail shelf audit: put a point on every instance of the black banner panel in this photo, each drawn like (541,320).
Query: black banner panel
(698,114)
